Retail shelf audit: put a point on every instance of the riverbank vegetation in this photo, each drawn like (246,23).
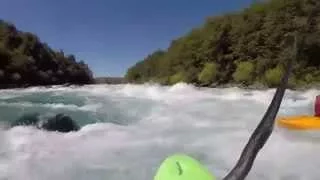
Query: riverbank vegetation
(247,48)
(26,61)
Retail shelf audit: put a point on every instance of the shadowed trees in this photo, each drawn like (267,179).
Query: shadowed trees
(24,60)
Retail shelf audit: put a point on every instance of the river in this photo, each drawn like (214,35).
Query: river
(127,130)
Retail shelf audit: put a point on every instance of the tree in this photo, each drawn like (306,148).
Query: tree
(258,34)
(176,78)
(209,73)
(244,72)
(16,77)
(273,76)
(24,59)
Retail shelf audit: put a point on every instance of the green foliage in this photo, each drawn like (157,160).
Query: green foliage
(208,74)
(176,78)
(273,76)
(259,34)
(5,56)
(244,72)
(258,7)
(26,60)
(18,61)
(308,78)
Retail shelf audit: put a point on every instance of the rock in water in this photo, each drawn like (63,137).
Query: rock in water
(60,123)
(31,119)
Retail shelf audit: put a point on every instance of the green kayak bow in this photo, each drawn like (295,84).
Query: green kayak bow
(182,167)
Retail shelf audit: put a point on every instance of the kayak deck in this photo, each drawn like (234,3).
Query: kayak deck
(303,122)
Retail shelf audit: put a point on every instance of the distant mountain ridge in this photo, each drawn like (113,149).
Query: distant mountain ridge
(110,80)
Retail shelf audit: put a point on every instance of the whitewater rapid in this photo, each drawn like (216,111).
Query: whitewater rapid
(127,130)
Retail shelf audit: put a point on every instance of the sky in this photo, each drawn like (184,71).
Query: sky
(112,35)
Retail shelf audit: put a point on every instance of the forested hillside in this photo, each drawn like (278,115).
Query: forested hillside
(246,47)
(109,80)
(25,61)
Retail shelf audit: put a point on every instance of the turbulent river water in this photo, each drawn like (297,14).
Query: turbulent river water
(127,130)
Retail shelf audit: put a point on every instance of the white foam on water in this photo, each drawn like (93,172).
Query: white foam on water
(212,125)
(71,107)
